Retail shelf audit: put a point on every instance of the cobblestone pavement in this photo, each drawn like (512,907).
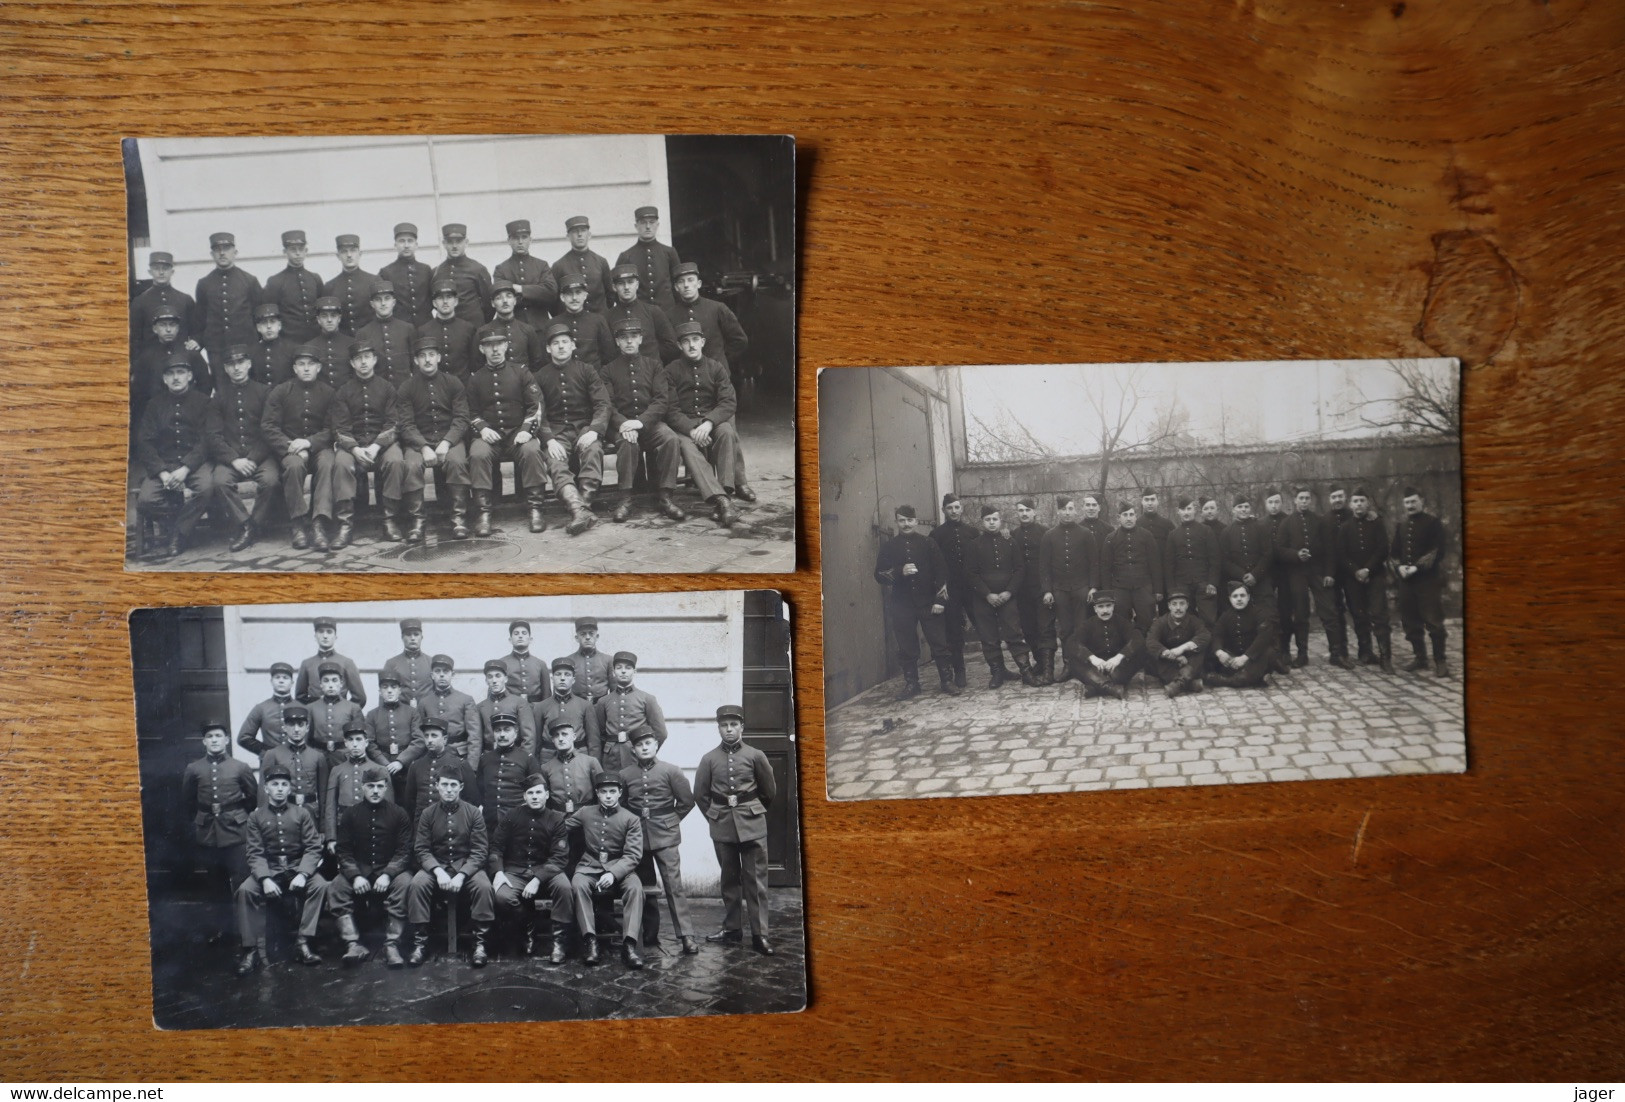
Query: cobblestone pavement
(194,986)
(1320,722)
(763,540)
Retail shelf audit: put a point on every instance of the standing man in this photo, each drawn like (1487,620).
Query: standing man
(500,701)
(172,447)
(352,287)
(701,404)
(239,449)
(570,773)
(1274,518)
(409,276)
(534,283)
(452,709)
(637,426)
(995,569)
(1337,512)
(331,715)
(471,278)
(591,664)
(954,538)
(450,847)
(226,298)
(1092,523)
(264,726)
(298,427)
(368,441)
(653,262)
(308,685)
(575,405)
(391,338)
(733,788)
(273,352)
(525,344)
(505,411)
(658,338)
(911,569)
(659,795)
(594,344)
(306,766)
(624,710)
(393,728)
(432,411)
(331,342)
(284,850)
(159,300)
(1304,552)
(1210,517)
(506,765)
(1191,563)
(1248,551)
(1362,552)
(724,336)
(1037,615)
(217,794)
(1152,521)
(1416,553)
(527,676)
(295,289)
(456,337)
(582,262)
(438,761)
(1068,572)
(164,343)
(611,840)
(562,704)
(1131,564)
(410,667)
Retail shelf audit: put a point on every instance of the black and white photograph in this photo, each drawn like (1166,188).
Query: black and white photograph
(476,810)
(1058,578)
(520,353)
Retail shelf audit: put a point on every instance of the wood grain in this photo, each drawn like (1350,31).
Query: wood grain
(983,182)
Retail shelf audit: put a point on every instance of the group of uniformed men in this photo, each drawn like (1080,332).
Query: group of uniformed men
(1098,590)
(415,372)
(431,793)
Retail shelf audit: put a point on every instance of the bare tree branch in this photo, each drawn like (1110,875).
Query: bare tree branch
(1426,404)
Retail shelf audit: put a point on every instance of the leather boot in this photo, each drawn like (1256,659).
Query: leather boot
(1046,667)
(1441,668)
(1028,677)
(536,498)
(414,513)
(959,670)
(420,945)
(478,959)
(1342,661)
(1386,659)
(591,956)
(459,512)
(558,955)
(302,951)
(301,533)
(722,511)
(690,946)
(318,535)
(248,962)
(945,672)
(392,521)
(998,675)
(623,508)
(581,517)
(346,525)
(668,508)
(1303,650)
(1420,664)
(911,682)
(589,490)
(536,932)
(354,951)
(629,953)
(244,538)
(482,512)
(392,937)
(744,493)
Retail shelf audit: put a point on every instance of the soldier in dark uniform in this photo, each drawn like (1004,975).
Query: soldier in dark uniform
(525,345)
(160,300)
(594,343)
(1191,562)
(575,406)
(1037,615)
(658,338)
(658,793)
(1152,521)
(915,577)
(529,863)
(1242,654)
(409,276)
(654,262)
(1131,564)
(591,664)
(724,336)
(995,569)
(954,538)
(411,666)
(172,447)
(163,344)
(347,777)
(331,714)
(393,727)
(284,849)
(450,845)
(527,674)
(583,262)
(611,841)
(505,414)
(472,279)
(375,854)
(1176,646)
(306,766)
(264,726)
(432,411)
(368,443)
(453,709)
(501,701)
(733,788)
(226,298)
(298,427)
(1415,554)
(570,773)
(352,286)
(534,285)
(1094,525)
(1273,518)
(563,703)
(273,353)
(1068,572)
(700,405)
(456,336)
(637,426)
(1362,553)
(217,794)
(391,338)
(331,342)
(294,290)
(505,767)
(1307,557)
(625,709)
(1337,511)
(1248,555)
(307,687)
(438,760)
(1105,651)
(239,448)
(1210,517)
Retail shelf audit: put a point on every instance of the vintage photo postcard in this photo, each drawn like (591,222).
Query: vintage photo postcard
(526,353)
(1087,576)
(482,810)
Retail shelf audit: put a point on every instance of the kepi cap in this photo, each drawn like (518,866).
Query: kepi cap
(731,711)
(324,622)
(646,212)
(586,623)
(293,237)
(347,241)
(690,329)
(267,310)
(282,667)
(453,229)
(624,657)
(517,227)
(576,222)
(404,228)
(217,240)
(442,662)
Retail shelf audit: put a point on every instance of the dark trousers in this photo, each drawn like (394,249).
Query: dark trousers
(1188,665)
(341,895)
(630,891)
(1421,608)
(1071,609)
(904,619)
(320,465)
(1037,620)
(725,455)
(670,863)
(264,478)
(394,478)
(744,884)
(201,483)
(1368,605)
(555,892)
(251,900)
(665,453)
(420,897)
(994,624)
(1093,679)
(1139,600)
(956,613)
(483,458)
(1308,593)
(1251,674)
(225,867)
(583,466)
(455,465)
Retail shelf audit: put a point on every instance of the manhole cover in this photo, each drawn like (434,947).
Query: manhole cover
(514,1002)
(470,554)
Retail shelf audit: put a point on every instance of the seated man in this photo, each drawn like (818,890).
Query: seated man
(700,405)
(375,853)
(284,851)
(1105,651)
(637,427)
(297,424)
(369,443)
(575,408)
(432,412)
(450,847)
(530,858)
(1177,646)
(1244,649)
(172,447)
(611,840)
(239,448)
(505,412)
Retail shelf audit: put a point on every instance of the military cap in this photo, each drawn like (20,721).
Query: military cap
(385,677)
(373,774)
(405,228)
(443,287)
(571,281)
(154,259)
(1411,491)
(442,662)
(628,325)
(310,350)
(276,772)
(326,668)
(1235,585)
(501,285)
(554,726)
(1301,490)
(518,226)
(328,302)
(178,359)
(624,656)
(624,271)
(281,667)
(267,310)
(1062,502)
(381,287)
(1125,507)
(687,267)
(641,731)
(646,212)
(533,780)
(296,713)
(1361,491)
(1184,501)
(576,222)
(424,342)
(518,624)
(432,724)
(989,510)
(1271,491)
(690,329)
(453,229)
(360,345)
(324,622)
(212,725)
(562,664)
(1335,490)
(347,241)
(731,711)
(559,329)
(293,237)
(356,727)
(949,499)
(906,511)
(495,664)
(217,240)
(237,352)
(510,718)
(490,334)
(411,623)
(607,780)
(1090,497)
(1205,500)
(1147,493)
(1028,502)
(586,623)
(1104,597)
(1181,592)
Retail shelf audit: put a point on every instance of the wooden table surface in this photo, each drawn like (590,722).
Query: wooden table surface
(981,182)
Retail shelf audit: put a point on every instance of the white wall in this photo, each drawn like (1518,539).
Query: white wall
(255,188)
(690,649)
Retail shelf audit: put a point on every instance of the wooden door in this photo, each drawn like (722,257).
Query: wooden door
(770,726)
